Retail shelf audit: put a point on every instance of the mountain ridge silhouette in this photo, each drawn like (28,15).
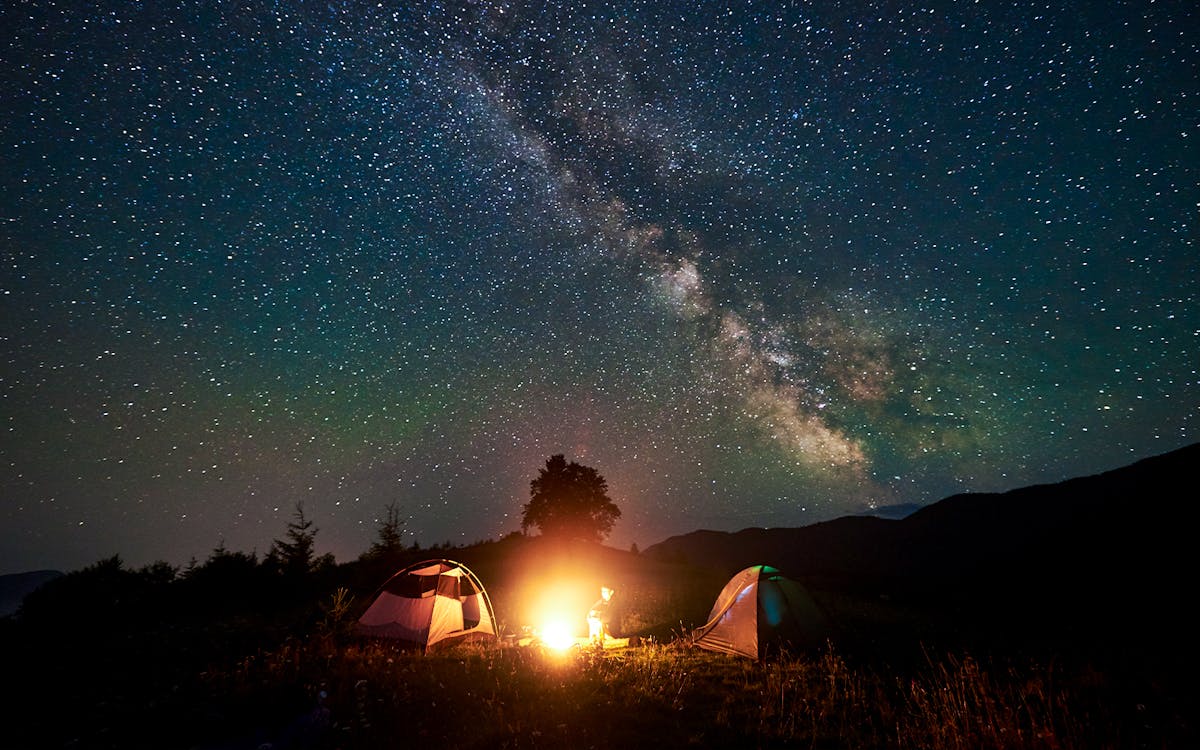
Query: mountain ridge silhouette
(1122,534)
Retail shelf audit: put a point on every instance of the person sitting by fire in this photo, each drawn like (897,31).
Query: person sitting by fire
(599,618)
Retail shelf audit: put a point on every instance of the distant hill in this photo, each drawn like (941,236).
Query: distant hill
(14,587)
(901,510)
(1087,546)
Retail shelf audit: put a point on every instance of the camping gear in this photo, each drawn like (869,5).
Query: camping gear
(761,609)
(429,603)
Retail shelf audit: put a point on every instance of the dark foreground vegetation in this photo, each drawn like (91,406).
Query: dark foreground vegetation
(668,696)
(241,653)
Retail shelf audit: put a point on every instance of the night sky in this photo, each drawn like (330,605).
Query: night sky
(757,264)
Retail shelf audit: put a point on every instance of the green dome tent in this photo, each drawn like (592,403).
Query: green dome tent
(430,603)
(760,609)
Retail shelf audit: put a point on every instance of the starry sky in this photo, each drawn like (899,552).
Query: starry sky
(759,264)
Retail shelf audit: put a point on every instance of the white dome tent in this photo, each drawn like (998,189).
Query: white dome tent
(430,603)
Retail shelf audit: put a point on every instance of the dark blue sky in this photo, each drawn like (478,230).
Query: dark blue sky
(759,265)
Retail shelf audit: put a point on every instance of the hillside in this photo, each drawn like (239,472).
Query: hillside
(1102,545)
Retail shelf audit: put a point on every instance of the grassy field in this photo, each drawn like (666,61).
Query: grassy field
(110,657)
(665,695)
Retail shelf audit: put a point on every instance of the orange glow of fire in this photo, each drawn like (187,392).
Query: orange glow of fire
(555,604)
(556,634)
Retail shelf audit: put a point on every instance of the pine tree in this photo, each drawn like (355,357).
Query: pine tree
(391,533)
(296,555)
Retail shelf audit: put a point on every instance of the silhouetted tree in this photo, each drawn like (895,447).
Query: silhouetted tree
(226,582)
(107,591)
(296,554)
(225,566)
(391,533)
(570,500)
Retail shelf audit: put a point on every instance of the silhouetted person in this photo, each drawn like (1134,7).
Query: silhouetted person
(600,616)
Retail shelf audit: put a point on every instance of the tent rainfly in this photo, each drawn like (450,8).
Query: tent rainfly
(759,609)
(430,603)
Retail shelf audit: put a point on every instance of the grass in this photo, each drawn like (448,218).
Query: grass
(671,695)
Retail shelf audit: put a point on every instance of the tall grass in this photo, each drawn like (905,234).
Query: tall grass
(667,695)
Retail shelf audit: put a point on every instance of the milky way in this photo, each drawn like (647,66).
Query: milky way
(759,265)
